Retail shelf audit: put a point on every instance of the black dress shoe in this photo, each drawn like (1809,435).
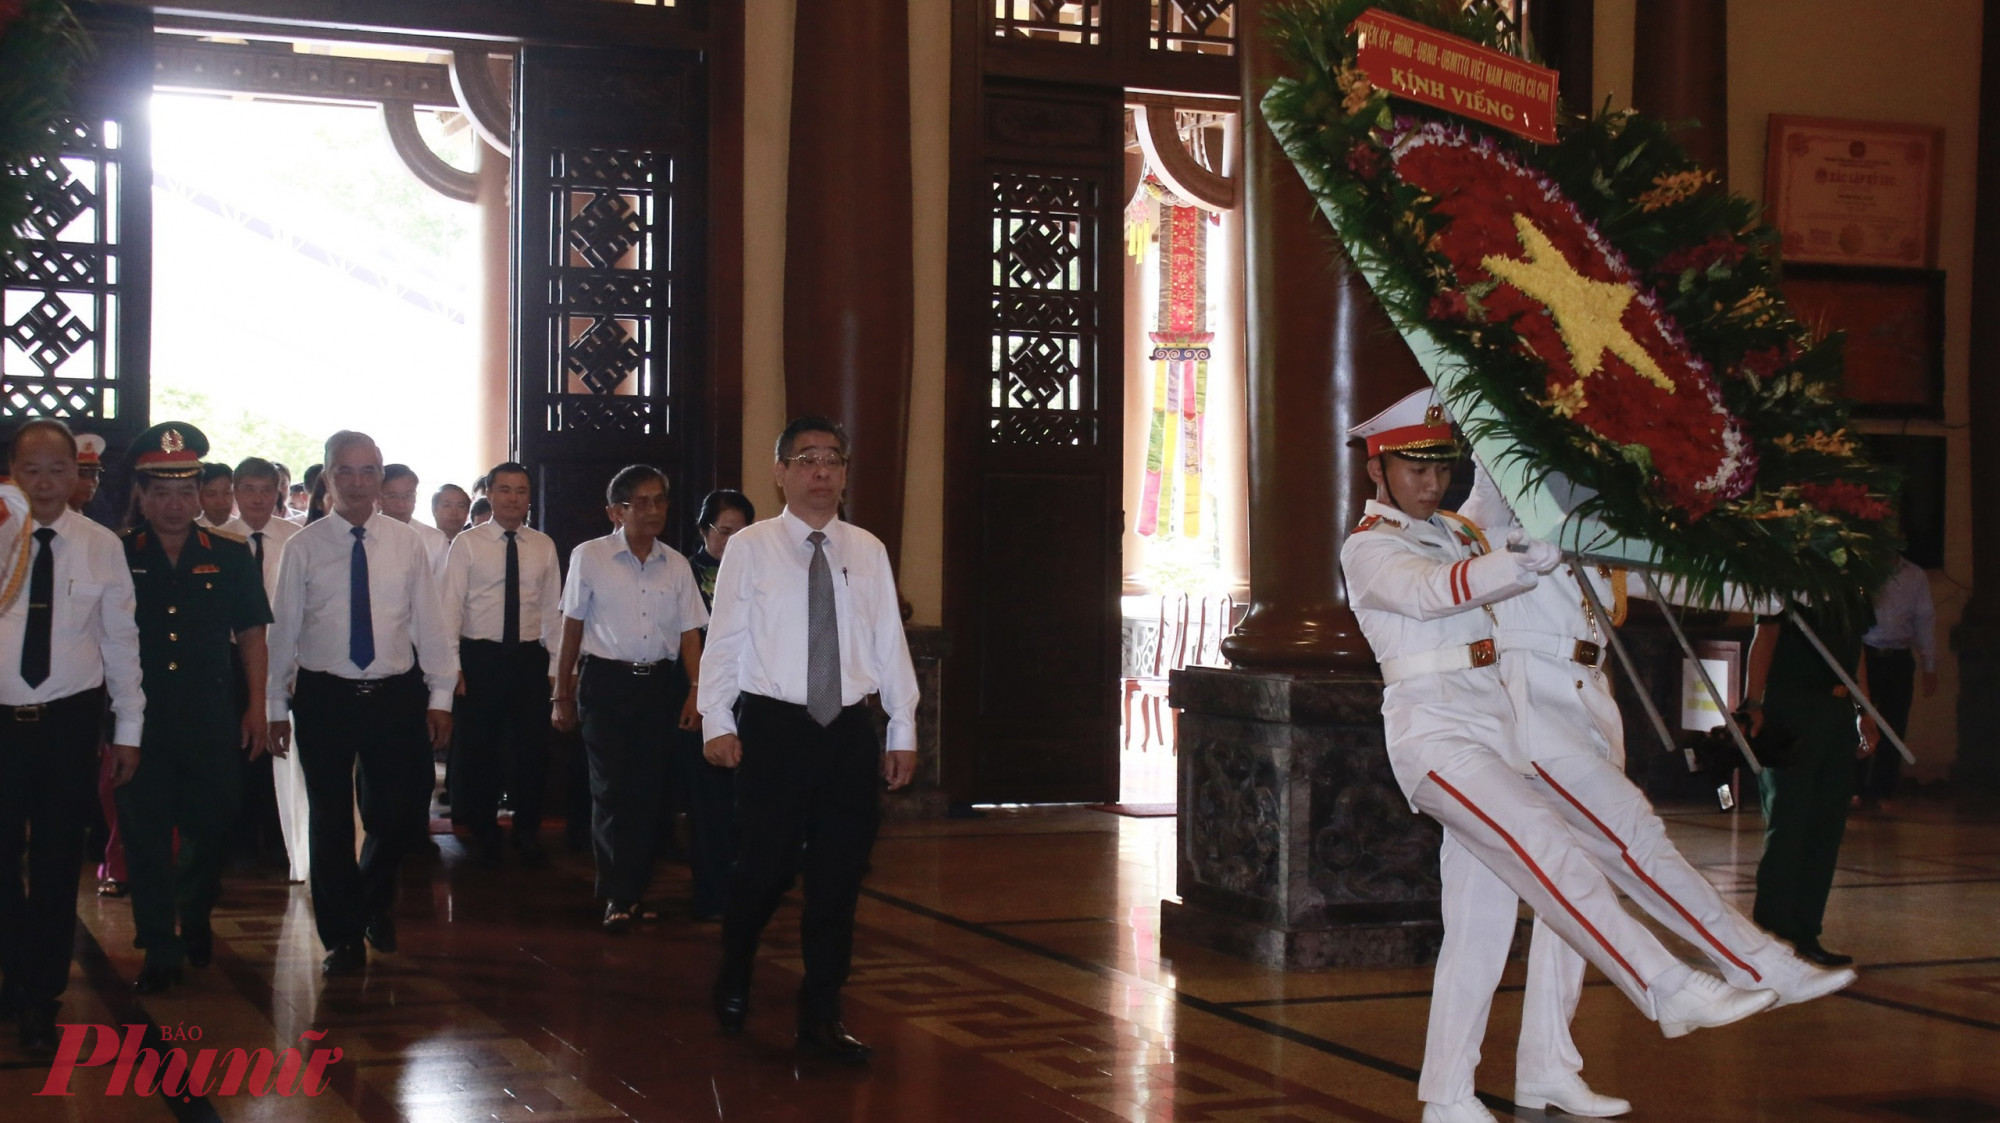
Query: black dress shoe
(156,977)
(346,959)
(1811,952)
(617,916)
(200,943)
(830,1039)
(38,1027)
(381,932)
(732,1006)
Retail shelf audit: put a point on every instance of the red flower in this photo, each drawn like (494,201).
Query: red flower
(1449,305)
(1768,361)
(1720,248)
(1364,160)
(1845,497)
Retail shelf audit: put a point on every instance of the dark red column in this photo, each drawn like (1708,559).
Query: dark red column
(1680,72)
(847,243)
(1976,639)
(1322,356)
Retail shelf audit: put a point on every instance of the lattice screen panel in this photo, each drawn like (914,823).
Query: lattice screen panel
(1047,313)
(60,293)
(1196,26)
(1050,21)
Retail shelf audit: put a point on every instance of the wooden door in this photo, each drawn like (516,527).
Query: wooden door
(1035,401)
(76,297)
(610,250)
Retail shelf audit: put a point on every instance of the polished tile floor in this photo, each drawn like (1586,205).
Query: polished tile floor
(1010,969)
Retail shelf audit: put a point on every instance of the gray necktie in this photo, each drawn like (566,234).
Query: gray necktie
(822,638)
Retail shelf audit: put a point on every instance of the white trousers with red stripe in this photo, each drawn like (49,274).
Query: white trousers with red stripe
(1505,842)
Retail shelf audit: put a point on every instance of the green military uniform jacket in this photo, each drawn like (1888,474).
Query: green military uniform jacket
(188,617)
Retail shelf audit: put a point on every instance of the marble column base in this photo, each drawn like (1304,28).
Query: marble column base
(1296,848)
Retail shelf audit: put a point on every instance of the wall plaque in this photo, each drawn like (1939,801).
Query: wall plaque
(1854,192)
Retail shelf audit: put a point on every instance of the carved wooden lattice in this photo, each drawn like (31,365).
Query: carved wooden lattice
(1198,26)
(605,256)
(1049,21)
(1046,316)
(60,293)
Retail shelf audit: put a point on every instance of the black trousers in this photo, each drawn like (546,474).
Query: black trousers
(504,735)
(379,724)
(48,780)
(807,801)
(1892,676)
(189,781)
(628,724)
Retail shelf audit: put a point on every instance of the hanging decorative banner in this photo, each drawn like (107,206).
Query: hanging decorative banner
(1180,375)
(1426,65)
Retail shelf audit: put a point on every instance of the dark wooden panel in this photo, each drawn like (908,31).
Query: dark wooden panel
(611,336)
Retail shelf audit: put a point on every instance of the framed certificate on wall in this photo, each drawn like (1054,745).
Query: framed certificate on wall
(1854,192)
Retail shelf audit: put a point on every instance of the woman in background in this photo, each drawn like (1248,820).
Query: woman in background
(710,791)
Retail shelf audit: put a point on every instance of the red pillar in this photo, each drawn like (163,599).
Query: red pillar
(1322,357)
(1680,72)
(848,287)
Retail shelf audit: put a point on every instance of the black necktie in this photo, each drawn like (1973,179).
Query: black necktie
(360,616)
(257,546)
(41,610)
(510,620)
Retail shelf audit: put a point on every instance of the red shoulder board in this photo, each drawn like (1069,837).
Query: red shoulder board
(1367,521)
(202,536)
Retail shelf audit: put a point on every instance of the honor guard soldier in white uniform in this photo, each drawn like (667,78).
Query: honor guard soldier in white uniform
(1420,587)
(1567,724)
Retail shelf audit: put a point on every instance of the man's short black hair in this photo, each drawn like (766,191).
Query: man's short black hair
(628,480)
(809,424)
(480,506)
(438,495)
(509,466)
(212,471)
(44,424)
(393,472)
(256,468)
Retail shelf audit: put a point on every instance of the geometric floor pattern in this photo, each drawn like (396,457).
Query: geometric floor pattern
(1010,968)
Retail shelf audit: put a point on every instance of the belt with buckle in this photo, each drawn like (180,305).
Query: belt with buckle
(1457,657)
(641,669)
(30,712)
(1588,653)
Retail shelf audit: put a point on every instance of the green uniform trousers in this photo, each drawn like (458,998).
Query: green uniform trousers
(192,784)
(1805,813)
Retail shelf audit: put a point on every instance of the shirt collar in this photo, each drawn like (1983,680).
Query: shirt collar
(798,529)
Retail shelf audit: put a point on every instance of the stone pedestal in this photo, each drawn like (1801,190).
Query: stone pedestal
(1296,848)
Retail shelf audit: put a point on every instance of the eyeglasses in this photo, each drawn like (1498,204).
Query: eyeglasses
(818,460)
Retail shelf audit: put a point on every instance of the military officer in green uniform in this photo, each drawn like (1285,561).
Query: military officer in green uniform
(197,588)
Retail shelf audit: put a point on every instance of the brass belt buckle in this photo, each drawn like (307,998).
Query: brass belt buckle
(1587,653)
(641,668)
(1483,653)
(30,712)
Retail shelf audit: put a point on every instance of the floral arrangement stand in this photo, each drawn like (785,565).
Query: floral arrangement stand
(1604,319)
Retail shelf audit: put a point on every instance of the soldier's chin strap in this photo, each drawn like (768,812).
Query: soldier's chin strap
(1383,459)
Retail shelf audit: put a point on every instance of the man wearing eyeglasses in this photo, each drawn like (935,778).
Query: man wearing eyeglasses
(632,619)
(807,626)
(356,611)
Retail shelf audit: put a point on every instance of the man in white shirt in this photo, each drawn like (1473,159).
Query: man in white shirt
(503,600)
(67,637)
(1903,641)
(633,617)
(356,612)
(258,485)
(807,625)
(399,502)
(217,495)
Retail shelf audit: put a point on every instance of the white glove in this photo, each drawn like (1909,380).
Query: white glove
(1532,553)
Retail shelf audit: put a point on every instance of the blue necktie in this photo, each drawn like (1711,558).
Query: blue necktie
(360,617)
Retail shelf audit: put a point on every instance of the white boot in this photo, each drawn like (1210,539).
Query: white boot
(1705,1001)
(1464,1111)
(1569,1094)
(1794,980)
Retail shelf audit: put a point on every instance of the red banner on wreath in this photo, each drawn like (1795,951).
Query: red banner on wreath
(1424,64)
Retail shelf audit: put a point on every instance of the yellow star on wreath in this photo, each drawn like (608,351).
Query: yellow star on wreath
(1589,314)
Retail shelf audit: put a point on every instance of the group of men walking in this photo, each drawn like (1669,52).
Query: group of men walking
(342,648)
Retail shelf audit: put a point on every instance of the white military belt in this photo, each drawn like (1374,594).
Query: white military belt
(1457,657)
(1586,652)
